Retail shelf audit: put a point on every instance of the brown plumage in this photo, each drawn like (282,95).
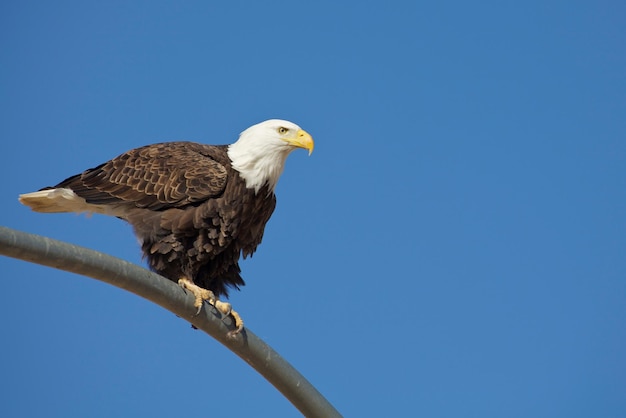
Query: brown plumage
(186,216)
(195,208)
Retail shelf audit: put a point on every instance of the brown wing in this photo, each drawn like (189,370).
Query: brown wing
(159,176)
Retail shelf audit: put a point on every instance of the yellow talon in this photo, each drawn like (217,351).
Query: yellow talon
(202,294)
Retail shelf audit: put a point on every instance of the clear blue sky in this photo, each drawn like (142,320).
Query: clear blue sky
(454,247)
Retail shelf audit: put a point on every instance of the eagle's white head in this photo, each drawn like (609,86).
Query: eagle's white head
(260,152)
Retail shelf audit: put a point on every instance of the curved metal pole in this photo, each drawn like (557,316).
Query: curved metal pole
(163,292)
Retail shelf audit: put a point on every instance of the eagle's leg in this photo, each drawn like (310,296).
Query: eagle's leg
(203,294)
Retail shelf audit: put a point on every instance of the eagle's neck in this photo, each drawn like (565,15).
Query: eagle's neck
(259,163)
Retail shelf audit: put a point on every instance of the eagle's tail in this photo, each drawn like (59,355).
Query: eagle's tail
(55,201)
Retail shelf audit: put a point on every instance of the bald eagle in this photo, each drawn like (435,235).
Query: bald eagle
(195,208)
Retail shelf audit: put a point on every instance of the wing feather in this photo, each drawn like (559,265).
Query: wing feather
(159,176)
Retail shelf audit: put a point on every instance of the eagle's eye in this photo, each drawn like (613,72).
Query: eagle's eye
(282,130)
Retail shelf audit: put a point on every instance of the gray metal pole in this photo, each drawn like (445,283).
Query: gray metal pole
(52,253)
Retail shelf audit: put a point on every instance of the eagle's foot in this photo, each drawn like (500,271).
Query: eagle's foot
(227,309)
(202,294)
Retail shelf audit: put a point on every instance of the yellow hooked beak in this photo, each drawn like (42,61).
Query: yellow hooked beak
(302,140)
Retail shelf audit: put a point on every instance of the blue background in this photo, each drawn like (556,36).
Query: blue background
(453,247)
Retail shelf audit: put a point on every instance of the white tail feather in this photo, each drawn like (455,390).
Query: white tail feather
(58,201)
